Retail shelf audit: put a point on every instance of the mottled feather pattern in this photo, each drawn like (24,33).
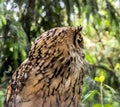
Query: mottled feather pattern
(52,75)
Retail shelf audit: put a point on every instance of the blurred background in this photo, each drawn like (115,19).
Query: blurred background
(21,21)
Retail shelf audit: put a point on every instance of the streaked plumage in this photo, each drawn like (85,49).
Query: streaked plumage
(52,75)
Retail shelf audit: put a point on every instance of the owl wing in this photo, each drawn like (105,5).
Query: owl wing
(48,56)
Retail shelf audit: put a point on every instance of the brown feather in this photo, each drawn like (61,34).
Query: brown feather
(52,75)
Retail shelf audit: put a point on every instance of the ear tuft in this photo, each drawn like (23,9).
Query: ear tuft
(79,28)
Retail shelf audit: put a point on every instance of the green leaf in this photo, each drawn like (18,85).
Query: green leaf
(23,54)
(90,58)
(107,23)
(108,105)
(90,93)
(15,55)
(3,20)
(1,98)
(111,89)
(0,24)
(1,93)
(97,105)
(117,66)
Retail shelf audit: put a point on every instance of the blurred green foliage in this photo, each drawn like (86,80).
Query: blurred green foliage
(22,21)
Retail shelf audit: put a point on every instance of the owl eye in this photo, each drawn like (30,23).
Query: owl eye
(79,41)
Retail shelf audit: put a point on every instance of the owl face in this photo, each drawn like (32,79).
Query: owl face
(74,33)
(78,41)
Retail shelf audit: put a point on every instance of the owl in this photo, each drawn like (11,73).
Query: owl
(52,74)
